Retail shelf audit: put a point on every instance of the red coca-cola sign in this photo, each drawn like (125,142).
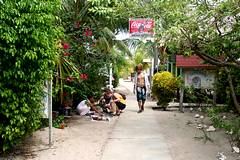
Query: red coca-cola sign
(141,26)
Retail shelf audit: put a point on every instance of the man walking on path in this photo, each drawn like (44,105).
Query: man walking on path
(141,87)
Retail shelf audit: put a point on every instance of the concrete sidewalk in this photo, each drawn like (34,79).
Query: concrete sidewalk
(136,136)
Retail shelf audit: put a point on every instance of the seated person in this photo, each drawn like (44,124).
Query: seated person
(85,106)
(65,108)
(106,102)
(120,102)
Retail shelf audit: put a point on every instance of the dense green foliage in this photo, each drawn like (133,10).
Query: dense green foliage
(89,47)
(223,89)
(209,29)
(164,87)
(28,47)
(58,122)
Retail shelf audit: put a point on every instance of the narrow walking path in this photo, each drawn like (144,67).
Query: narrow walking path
(151,135)
(162,135)
(136,136)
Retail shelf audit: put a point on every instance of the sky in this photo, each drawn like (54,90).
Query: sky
(122,35)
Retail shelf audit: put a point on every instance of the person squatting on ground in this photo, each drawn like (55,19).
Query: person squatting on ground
(113,103)
(141,86)
(106,102)
(120,101)
(64,109)
(85,106)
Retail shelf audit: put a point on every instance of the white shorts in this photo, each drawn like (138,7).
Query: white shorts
(83,109)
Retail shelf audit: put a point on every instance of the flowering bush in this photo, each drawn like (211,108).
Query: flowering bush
(164,87)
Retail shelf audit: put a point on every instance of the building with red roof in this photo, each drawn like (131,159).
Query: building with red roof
(194,70)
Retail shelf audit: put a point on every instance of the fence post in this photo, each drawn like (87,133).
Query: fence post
(50,110)
(181,99)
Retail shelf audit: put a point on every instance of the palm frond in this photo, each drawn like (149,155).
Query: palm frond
(113,42)
(107,32)
(83,11)
(121,45)
(80,7)
(103,43)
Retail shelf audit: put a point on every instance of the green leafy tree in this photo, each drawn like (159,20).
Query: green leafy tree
(209,29)
(92,46)
(28,46)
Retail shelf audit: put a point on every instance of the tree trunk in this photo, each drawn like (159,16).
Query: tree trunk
(181,109)
(233,94)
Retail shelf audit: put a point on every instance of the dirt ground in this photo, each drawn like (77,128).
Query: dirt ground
(82,139)
(186,141)
(85,139)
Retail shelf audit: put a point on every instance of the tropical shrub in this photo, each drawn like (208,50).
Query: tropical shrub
(88,48)
(164,87)
(78,69)
(195,95)
(230,122)
(58,122)
(223,89)
(28,45)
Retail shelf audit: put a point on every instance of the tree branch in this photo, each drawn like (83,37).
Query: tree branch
(216,25)
(214,61)
(206,57)
(209,60)
(183,31)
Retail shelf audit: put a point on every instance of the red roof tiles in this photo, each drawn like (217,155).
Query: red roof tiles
(190,62)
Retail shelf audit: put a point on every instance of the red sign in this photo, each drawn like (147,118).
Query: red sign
(141,26)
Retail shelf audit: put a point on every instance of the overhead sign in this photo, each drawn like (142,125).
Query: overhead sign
(138,27)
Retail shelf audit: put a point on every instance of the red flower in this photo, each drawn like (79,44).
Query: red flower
(66,46)
(88,32)
(66,54)
(84,76)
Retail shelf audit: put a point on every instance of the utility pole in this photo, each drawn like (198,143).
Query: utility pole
(110,77)
(50,110)
(155,62)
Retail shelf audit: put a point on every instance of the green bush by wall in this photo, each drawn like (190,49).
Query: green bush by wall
(28,45)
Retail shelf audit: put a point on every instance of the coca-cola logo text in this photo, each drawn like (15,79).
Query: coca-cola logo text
(137,24)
